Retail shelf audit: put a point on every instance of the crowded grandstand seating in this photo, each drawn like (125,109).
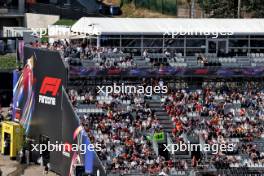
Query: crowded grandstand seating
(216,113)
(81,54)
(207,113)
(125,147)
(233,116)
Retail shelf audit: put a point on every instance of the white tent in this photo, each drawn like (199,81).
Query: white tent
(160,26)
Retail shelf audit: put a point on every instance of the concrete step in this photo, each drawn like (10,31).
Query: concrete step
(167,130)
(155,104)
(165,121)
(156,107)
(154,101)
(164,117)
(161,113)
(167,125)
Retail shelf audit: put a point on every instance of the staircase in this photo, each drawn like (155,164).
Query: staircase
(162,116)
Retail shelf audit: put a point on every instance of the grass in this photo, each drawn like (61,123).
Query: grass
(8,62)
(129,10)
(66,22)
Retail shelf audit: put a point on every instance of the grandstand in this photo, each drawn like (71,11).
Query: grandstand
(202,107)
(228,42)
(208,111)
(214,93)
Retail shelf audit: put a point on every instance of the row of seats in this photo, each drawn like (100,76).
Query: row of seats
(114,55)
(104,98)
(249,163)
(109,99)
(258,59)
(99,59)
(228,60)
(192,114)
(80,98)
(126,102)
(124,65)
(177,59)
(87,106)
(257,64)
(208,55)
(159,60)
(178,54)
(255,55)
(156,55)
(88,110)
(175,64)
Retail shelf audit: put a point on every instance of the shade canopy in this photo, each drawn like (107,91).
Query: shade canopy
(161,26)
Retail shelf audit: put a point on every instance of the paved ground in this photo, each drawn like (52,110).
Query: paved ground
(13,168)
(7,166)
(36,170)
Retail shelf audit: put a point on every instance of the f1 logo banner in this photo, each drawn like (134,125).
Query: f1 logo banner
(51,85)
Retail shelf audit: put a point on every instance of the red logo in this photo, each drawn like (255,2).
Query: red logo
(50,84)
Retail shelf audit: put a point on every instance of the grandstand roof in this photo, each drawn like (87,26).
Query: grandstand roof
(158,26)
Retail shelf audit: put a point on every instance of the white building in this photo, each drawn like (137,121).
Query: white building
(186,36)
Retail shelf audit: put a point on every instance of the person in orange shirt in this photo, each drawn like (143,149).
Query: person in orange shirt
(215,120)
(179,126)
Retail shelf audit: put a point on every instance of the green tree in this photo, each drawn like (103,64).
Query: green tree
(219,8)
(229,8)
(254,7)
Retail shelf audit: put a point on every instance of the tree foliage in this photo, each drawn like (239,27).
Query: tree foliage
(229,8)
(254,7)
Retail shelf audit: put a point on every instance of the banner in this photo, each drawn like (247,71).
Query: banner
(45,111)
(214,72)
(159,137)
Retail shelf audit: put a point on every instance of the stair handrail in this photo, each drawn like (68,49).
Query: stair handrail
(155,147)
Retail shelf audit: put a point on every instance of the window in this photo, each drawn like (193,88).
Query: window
(257,43)
(110,42)
(238,43)
(193,51)
(152,42)
(154,36)
(176,50)
(131,43)
(174,43)
(195,42)
(154,50)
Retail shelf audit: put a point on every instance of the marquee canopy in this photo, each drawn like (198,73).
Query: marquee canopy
(160,26)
